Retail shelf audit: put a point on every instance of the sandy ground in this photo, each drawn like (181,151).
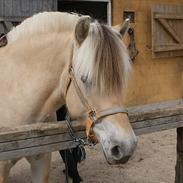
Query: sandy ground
(153,162)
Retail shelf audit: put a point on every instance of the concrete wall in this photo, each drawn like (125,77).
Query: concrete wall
(153,80)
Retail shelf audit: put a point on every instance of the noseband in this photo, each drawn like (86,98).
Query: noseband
(92,115)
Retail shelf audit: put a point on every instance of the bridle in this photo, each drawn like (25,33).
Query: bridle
(92,115)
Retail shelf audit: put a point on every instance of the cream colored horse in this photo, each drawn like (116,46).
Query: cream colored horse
(35,81)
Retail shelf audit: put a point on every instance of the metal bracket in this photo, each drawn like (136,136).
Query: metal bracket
(132,49)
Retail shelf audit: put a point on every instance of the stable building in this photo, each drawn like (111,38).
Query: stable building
(155,39)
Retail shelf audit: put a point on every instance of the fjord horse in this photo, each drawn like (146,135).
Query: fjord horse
(57,58)
(71,157)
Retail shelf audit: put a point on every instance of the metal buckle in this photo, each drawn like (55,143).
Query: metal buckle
(93,115)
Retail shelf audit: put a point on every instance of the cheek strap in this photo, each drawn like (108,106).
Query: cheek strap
(94,117)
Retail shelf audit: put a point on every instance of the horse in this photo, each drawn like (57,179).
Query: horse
(71,157)
(54,59)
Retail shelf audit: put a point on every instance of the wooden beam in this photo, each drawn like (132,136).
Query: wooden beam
(155,110)
(169,16)
(156,117)
(170,47)
(37,138)
(179,163)
(47,137)
(169,29)
(12,19)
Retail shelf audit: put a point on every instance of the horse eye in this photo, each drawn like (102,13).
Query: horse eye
(87,83)
(83,79)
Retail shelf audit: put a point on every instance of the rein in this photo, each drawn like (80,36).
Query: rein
(92,115)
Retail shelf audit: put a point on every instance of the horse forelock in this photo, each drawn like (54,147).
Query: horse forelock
(42,23)
(103,60)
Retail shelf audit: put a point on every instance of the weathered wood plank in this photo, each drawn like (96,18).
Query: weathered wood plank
(155,110)
(46,137)
(17,153)
(157,128)
(179,163)
(37,138)
(169,30)
(39,141)
(172,47)
(36,130)
(167,24)
(21,9)
(168,120)
(168,16)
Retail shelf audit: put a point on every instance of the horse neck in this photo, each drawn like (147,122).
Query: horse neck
(61,60)
(46,58)
(42,23)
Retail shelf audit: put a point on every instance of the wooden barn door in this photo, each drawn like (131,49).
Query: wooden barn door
(167,30)
(12,12)
(17,10)
(98,9)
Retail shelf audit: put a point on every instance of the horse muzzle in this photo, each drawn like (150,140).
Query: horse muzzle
(120,153)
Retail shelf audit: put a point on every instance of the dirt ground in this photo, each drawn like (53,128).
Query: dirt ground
(153,162)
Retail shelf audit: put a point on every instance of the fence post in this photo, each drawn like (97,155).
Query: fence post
(179,164)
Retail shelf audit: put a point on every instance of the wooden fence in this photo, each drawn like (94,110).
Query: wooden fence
(47,137)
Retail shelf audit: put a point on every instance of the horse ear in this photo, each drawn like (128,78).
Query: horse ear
(123,28)
(3,40)
(82,28)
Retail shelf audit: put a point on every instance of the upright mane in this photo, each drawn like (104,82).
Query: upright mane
(41,23)
(103,60)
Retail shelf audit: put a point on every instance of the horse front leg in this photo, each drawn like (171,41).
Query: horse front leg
(5,167)
(40,167)
(40,164)
(4,171)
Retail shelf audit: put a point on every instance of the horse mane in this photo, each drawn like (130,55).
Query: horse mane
(42,23)
(103,60)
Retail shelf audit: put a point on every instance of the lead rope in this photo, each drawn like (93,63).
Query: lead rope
(80,143)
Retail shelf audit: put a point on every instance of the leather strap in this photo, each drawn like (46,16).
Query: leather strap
(78,90)
(92,116)
(111,111)
(91,121)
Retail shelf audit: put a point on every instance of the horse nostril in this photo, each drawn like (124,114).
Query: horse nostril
(116,152)
(125,159)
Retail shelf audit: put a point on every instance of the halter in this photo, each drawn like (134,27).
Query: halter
(92,115)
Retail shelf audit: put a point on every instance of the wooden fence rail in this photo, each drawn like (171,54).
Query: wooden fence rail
(47,137)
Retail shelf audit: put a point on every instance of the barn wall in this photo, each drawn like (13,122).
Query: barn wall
(153,80)
(19,9)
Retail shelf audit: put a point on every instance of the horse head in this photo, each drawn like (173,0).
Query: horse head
(97,76)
